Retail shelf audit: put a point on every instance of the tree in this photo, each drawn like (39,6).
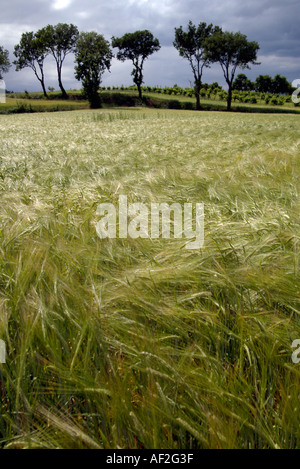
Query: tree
(232,51)
(191,46)
(59,40)
(264,84)
(242,83)
(137,46)
(31,52)
(92,57)
(4,62)
(280,85)
(276,85)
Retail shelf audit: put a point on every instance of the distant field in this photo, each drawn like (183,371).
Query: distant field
(222,103)
(21,105)
(141,343)
(35,102)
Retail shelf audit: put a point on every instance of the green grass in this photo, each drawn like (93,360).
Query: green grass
(21,105)
(162,100)
(142,343)
(17,103)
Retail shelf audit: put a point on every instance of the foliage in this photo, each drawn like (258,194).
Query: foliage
(93,56)
(263,84)
(242,83)
(174,104)
(4,61)
(277,85)
(137,47)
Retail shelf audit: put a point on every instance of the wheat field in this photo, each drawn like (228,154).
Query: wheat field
(141,343)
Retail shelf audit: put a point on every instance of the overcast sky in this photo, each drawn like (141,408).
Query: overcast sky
(274,24)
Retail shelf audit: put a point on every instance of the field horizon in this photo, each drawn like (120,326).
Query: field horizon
(24,102)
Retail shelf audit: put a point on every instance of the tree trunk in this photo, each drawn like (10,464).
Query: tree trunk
(41,80)
(44,89)
(64,94)
(198,105)
(229,98)
(140,91)
(197,88)
(91,91)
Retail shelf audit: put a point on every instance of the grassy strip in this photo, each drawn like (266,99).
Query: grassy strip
(21,106)
(16,103)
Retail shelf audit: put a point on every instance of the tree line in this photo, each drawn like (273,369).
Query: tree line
(263,84)
(201,45)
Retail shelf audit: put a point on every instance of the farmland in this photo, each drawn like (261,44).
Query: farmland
(141,343)
(159,98)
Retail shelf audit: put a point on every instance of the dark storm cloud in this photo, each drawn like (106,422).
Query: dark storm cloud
(274,24)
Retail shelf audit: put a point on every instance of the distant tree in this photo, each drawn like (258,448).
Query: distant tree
(242,83)
(215,86)
(191,46)
(31,52)
(137,47)
(280,85)
(92,57)
(232,51)
(59,41)
(4,62)
(264,84)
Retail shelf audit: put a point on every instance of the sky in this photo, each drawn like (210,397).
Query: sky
(274,24)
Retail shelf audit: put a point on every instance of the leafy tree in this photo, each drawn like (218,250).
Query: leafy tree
(191,46)
(276,85)
(264,84)
(242,83)
(59,40)
(4,62)
(232,51)
(280,85)
(137,47)
(31,52)
(92,57)
(215,86)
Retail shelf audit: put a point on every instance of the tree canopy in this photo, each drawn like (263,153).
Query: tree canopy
(4,61)
(242,83)
(92,57)
(263,84)
(137,47)
(281,85)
